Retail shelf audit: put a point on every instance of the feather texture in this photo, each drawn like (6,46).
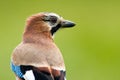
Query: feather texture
(37,57)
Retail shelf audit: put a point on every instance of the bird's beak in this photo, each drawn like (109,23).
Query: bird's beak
(66,23)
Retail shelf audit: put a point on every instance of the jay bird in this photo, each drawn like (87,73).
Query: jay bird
(37,57)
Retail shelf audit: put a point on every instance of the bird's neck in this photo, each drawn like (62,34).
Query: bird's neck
(40,37)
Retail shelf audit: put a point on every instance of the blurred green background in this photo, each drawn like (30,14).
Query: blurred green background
(91,49)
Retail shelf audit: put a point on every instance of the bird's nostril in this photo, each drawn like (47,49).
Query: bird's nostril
(63,22)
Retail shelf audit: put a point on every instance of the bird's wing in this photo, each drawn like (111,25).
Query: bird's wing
(34,73)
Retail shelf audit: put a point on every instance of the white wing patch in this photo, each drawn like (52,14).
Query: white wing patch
(65,78)
(29,75)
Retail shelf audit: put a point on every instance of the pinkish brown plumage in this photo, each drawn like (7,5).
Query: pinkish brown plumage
(37,57)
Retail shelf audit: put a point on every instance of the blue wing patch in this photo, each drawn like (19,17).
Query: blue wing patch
(16,69)
(39,75)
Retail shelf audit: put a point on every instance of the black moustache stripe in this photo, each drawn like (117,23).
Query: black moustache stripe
(54,29)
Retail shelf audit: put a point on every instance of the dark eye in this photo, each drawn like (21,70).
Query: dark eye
(53,19)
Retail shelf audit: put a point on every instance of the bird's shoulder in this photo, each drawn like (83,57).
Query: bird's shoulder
(38,55)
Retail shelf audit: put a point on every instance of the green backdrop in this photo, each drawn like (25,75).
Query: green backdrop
(91,49)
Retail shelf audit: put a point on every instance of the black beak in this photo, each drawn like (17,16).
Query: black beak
(62,24)
(66,23)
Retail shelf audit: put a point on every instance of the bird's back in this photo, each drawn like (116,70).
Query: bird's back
(38,55)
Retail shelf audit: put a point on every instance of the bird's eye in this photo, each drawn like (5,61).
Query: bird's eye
(53,19)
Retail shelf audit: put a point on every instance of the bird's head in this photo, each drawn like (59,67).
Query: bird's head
(46,23)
